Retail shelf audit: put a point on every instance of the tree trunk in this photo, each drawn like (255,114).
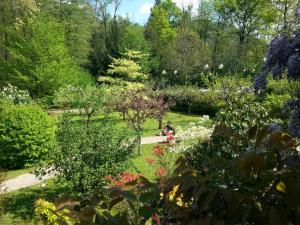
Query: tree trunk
(123,115)
(139,143)
(216,43)
(160,122)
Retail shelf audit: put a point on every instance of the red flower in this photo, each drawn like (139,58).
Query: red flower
(158,151)
(156,219)
(124,178)
(170,137)
(110,178)
(160,172)
(150,161)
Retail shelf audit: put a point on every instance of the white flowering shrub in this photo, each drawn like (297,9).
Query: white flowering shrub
(187,138)
(14,95)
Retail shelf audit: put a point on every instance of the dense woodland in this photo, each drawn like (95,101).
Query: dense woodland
(190,118)
(48,43)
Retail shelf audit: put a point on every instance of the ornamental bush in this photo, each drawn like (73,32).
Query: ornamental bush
(15,96)
(88,152)
(26,135)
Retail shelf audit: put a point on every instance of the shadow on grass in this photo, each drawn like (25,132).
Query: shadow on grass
(19,205)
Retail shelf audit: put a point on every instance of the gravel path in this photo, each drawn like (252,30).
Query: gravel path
(29,179)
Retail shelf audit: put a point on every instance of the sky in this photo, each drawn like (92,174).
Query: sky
(139,10)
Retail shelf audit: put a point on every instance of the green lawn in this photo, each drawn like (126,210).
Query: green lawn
(140,165)
(16,208)
(15,173)
(151,125)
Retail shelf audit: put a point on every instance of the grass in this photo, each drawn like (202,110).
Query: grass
(17,208)
(140,165)
(15,173)
(151,125)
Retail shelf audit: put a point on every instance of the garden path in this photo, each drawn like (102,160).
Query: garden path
(29,179)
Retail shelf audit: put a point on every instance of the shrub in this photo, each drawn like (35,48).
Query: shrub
(26,135)
(259,185)
(283,86)
(191,99)
(15,96)
(274,103)
(89,99)
(88,152)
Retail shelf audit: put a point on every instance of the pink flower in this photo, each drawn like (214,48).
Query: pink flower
(156,219)
(150,161)
(160,172)
(123,179)
(158,151)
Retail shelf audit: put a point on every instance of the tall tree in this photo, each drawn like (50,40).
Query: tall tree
(40,61)
(286,20)
(248,17)
(13,13)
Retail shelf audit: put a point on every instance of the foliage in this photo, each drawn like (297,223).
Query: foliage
(90,99)
(15,96)
(258,185)
(282,86)
(275,105)
(138,106)
(42,64)
(52,214)
(26,135)
(129,203)
(188,55)
(242,112)
(253,187)
(187,138)
(162,160)
(128,67)
(89,151)
(282,54)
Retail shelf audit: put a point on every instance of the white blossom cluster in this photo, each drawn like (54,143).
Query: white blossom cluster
(187,138)
(13,94)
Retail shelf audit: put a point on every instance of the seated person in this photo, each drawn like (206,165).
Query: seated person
(168,129)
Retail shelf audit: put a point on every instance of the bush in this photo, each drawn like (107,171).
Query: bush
(88,152)
(191,99)
(275,103)
(15,96)
(88,99)
(26,135)
(283,87)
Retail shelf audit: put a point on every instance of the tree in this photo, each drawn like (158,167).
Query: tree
(187,54)
(286,20)
(172,11)
(159,30)
(248,17)
(128,68)
(41,63)
(89,99)
(13,14)
(139,107)
(88,153)
(78,21)
(162,107)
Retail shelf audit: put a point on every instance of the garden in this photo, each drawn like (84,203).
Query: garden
(171,113)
